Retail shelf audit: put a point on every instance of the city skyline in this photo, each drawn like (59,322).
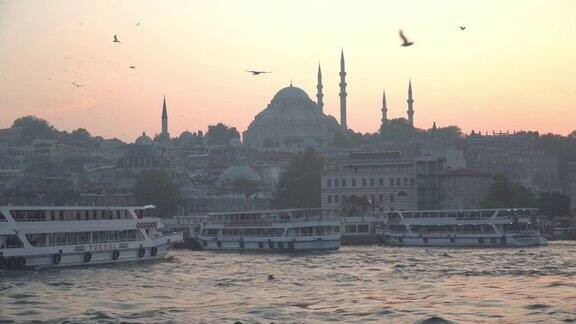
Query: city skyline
(199,62)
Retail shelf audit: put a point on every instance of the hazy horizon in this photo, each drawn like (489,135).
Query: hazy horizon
(511,69)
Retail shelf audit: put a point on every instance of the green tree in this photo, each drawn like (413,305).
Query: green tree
(156,188)
(507,194)
(398,129)
(244,186)
(34,128)
(554,204)
(299,185)
(221,134)
(449,133)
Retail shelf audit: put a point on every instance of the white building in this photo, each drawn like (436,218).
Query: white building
(384,179)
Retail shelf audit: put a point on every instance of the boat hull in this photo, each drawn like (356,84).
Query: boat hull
(274,245)
(519,240)
(99,254)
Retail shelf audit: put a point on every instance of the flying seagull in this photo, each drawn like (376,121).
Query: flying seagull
(78,85)
(462,27)
(138,24)
(132,66)
(405,41)
(257,72)
(116,39)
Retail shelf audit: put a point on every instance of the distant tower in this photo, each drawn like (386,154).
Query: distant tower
(164,119)
(384,120)
(410,105)
(343,122)
(319,95)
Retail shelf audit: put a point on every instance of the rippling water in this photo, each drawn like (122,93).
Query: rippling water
(367,283)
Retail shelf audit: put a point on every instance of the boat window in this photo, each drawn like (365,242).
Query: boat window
(11,241)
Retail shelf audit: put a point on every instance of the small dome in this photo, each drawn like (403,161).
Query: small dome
(141,151)
(186,135)
(291,93)
(235,142)
(239,172)
(144,139)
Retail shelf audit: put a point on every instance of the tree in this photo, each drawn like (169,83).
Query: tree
(449,133)
(299,186)
(554,204)
(34,128)
(155,187)
(221,134)
(507,194)
(353,205)
(398,129)
(244,186)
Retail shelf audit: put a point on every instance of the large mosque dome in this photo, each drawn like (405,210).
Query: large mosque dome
(290,118)
(291,95)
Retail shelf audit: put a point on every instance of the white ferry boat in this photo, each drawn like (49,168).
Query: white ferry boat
(477,227)
(34,237)
(290,230)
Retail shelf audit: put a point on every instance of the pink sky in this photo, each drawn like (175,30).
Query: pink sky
(513,68)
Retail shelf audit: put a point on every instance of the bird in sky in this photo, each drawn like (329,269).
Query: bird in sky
(405,41)
(116,39)
(138,24)
(462,27)
(78,85)
(257,72)
(132,66)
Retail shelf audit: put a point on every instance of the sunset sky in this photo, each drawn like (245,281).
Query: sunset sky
(513,68)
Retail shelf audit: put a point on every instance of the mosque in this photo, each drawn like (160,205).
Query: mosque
(292,120)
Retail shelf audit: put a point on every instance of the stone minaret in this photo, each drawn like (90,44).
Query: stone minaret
(343,122)
(164,118)
(384,120)
(319,95)
(410,105)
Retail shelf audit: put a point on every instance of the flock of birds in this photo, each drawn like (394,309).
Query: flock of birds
(405,43)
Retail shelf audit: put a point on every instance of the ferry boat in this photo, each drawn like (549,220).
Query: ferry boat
(36,237)
(475,227)
(289,230)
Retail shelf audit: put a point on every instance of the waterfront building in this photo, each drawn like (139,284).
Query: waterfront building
(464,188)
(518,156)
(385,180)
(572,190)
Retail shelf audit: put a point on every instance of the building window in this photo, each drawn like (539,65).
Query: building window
(398,181)
(343,182)
(381,181)
(405,182)
(328,183)
(412,182)
(363,182)
(381,197)
(391,182)
(329,198)
(336,198)
(391,197)
(402,194)
(353,182)
(336,183)
(371,182)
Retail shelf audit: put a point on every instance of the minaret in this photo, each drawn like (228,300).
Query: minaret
(164,118)
(410,103)
(384,120)
(342,92)
(319,95)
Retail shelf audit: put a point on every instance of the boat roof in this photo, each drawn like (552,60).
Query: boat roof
(77,207)
(269,211)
